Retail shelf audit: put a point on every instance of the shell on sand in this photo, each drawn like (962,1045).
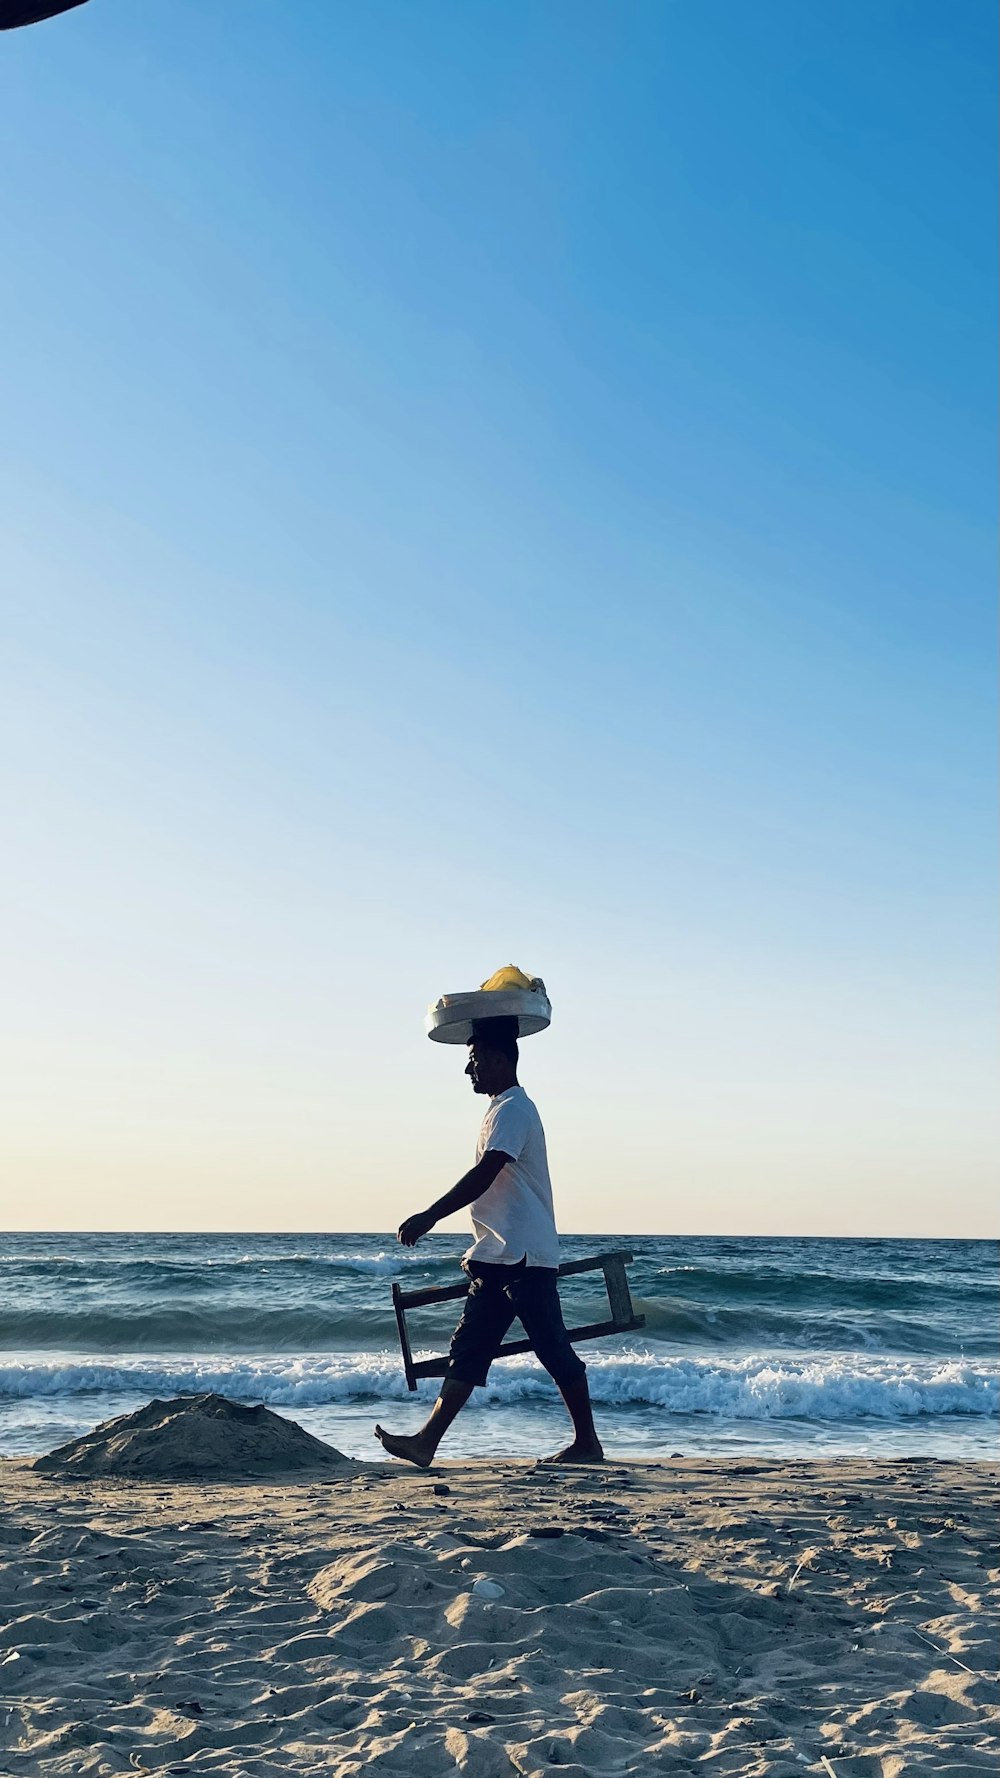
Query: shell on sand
(194,1438)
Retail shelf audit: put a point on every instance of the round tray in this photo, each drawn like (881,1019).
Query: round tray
(450,1019)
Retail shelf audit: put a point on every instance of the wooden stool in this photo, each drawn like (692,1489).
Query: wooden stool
(623,1317)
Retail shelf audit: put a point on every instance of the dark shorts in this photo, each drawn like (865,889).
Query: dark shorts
(497,1296)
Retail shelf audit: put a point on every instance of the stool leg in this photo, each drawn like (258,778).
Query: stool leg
(618,1291)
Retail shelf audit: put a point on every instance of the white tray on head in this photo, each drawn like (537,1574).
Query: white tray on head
(450,1019)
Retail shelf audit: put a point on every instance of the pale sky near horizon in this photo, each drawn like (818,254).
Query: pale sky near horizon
(499,484)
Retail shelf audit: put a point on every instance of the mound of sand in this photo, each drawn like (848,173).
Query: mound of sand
(194,1438)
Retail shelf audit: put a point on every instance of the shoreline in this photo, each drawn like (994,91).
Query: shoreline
(679,1615)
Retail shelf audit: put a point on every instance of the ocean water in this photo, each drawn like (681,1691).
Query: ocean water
(797,1347)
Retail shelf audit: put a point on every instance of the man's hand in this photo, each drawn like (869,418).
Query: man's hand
(465,1192)
(411,1231)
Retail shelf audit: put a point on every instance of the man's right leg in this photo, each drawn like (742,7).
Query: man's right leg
(475,1343)
(419,1447)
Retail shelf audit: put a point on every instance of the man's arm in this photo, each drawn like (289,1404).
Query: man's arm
(469,1188)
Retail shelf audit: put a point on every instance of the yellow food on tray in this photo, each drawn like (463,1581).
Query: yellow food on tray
(511,977)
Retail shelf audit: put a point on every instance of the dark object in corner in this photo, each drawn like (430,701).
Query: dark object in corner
(31,12)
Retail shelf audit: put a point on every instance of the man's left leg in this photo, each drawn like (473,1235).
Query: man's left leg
(536,1301)
(586,1446)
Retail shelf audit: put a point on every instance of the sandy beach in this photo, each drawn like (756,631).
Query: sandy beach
(683,1617)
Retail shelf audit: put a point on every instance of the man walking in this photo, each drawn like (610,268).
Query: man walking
(513,1262)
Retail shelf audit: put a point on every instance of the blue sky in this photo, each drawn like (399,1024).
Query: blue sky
(489,484)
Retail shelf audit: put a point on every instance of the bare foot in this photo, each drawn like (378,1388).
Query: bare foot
(412,1449)
(577,1453)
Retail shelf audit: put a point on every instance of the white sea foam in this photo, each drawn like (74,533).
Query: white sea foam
(761,1387)
(384,1265)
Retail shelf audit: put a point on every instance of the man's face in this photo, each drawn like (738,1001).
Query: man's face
(484,1067)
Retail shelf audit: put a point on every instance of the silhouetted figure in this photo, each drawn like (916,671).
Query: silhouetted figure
(513,1263)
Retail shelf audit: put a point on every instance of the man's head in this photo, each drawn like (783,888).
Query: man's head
(492,1064)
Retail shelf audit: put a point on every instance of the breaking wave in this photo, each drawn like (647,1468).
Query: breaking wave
(317,1321)
(152,1270)
(875,1291)
(749,1388)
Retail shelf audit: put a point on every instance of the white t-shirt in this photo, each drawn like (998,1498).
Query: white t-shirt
(514,1219)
